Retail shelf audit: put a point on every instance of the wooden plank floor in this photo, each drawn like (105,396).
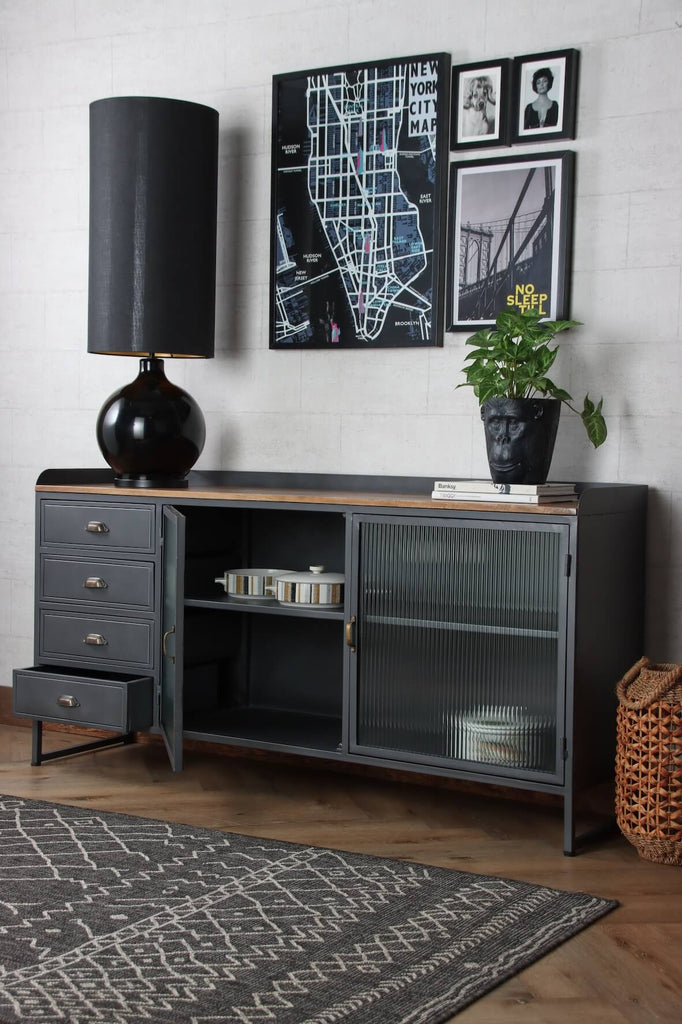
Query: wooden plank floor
(625,968)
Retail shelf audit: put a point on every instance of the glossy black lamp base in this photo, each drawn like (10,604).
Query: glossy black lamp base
(151,432)
(144,480)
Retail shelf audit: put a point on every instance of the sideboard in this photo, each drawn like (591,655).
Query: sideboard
(476,640)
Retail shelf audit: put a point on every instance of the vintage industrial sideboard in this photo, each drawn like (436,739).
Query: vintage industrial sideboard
(476,640)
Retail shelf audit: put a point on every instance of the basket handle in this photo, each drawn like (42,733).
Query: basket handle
(664,684)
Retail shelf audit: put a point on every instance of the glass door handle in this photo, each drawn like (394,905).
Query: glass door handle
(164,648)
(350,634)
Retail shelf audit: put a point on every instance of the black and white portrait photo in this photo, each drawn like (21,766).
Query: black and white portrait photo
(478,109)
(542,110)
(479,105)
(544,96)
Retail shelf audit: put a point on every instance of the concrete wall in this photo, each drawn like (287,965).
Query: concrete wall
(392,411)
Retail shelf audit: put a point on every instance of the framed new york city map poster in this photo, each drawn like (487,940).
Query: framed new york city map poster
(359,171)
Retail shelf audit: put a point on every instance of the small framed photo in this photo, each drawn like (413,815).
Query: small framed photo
(510,237)
(479,113)
(545,90)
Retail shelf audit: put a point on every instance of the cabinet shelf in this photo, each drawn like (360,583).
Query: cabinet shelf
(267,607)
(462,627)
(270,727)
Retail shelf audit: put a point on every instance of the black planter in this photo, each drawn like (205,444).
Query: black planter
(519,438)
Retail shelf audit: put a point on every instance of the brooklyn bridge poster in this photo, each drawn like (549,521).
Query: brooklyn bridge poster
(510,238)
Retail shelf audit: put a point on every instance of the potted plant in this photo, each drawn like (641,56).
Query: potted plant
(520,405)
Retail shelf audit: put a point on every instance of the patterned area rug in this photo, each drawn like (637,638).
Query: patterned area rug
(121,920)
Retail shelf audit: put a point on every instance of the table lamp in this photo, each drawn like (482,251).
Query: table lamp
(151,293)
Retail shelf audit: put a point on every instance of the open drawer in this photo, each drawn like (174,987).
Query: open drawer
(104,701)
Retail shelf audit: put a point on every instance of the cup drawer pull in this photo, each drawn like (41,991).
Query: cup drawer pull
(94,526)
(95,583)
(66,701)
(95,640)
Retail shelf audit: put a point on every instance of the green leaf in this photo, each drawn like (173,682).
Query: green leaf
(509,350)
(477,373)
(542,384)
(479,338)
(524,318)
(486,391)
(545,357)
(510,323)
(594,421)
(525,350)
(556,326)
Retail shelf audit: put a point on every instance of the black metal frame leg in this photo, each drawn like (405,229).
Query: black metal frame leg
(37,755)
(571,840)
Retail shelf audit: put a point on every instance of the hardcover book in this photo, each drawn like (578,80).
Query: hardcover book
(488,487)
(503,496)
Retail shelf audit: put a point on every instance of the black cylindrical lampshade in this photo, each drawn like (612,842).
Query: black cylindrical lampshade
(153,200)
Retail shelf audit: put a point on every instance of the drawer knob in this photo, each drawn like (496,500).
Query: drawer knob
(94,526)
(66,701)
(95,640)
(95,583)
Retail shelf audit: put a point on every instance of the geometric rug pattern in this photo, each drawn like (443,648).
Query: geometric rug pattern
(113,919)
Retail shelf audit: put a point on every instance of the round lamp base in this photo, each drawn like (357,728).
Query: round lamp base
(151,432)
(171,482)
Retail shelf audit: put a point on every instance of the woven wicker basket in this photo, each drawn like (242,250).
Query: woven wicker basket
(649,760)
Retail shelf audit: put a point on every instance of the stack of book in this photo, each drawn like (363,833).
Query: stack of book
(486,490)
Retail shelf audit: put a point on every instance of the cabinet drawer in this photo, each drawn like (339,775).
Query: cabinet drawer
(65,635)
(130,584)
(98,525)
(106,702)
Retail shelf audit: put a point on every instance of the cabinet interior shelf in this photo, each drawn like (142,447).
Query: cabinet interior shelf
(462,627)
(270,726)
(266,607)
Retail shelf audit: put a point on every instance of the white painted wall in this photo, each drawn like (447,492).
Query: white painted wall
(348,411)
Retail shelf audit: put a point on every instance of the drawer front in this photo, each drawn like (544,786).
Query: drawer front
(129,584)
(64,635)
(120,704)
(102,526)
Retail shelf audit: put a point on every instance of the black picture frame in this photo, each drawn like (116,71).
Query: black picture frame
(561,67)
(359,189)
(481,101)
(510,237)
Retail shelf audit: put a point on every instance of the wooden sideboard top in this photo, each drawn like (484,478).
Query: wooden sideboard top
(286,488)
(315,497)
(336,490)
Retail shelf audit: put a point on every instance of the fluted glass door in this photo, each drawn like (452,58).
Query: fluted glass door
(460,642)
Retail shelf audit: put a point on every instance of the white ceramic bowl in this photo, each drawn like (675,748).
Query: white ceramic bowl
(507,736)
(315,588)
(249,584)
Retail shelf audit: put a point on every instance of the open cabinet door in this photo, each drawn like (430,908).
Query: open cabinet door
(170,702)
